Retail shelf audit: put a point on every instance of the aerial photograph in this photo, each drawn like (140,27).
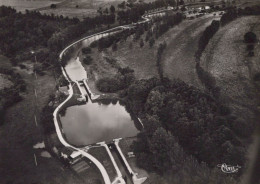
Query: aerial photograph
(129,91)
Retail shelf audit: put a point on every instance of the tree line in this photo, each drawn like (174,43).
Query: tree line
(233,12)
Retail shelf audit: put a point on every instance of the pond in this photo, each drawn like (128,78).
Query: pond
(96,122)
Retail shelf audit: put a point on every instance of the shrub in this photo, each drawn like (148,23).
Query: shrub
(141,43)
(114,46)
(257,77)
(110,84)
(120,81)
(250,47)
(53,6)
(151,42)
(206,36)
(86,50)
(251,54)
(250,37)
(87,60)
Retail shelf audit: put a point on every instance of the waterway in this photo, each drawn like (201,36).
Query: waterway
(94,122)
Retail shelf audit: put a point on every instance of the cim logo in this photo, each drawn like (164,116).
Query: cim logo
(228,168)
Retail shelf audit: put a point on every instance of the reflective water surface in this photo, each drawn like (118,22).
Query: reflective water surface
(95,122)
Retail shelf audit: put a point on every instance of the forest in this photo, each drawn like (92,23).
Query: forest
(181,122)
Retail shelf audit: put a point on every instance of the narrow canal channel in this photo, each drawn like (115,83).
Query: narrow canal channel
(120,164)
(94,122)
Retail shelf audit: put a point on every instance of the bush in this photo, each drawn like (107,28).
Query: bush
(114,46)
(250,37)
(120,81)
(227,17)
(110,85)
(87,60)
(151,42)
(257,77)
(53,6)
(206,36)
(141,43)
(250,47)
(86,50)
(251,54)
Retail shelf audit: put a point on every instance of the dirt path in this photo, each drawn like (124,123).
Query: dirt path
(178,58)
(226,59)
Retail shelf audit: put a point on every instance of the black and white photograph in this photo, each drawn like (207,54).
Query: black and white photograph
(129,91)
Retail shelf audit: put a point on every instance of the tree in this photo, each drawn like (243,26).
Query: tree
(53,6)
(112,9)
(100,11)
(122,5)
(87,60)
(106,11)
(114,46)
(86,50)
(250,37)
(166,151)
(151,42)
(141,43)
(154,102)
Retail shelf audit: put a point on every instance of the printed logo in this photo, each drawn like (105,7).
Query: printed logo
(228,168)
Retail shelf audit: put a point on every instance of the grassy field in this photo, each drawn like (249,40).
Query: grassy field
(182,43)
(22,5)
(19,133)
(226,59)
(178,57)
(80,8)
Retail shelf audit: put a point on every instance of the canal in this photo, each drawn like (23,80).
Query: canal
(94,122)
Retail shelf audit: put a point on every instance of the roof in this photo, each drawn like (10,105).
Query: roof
(75,154)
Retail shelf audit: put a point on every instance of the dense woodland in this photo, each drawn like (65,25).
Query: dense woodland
(184,127)
(10,96)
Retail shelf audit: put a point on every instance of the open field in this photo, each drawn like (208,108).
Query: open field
(182,43)
(80,8)
(22,5)
(178,57)
(19,133)
(226,59)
